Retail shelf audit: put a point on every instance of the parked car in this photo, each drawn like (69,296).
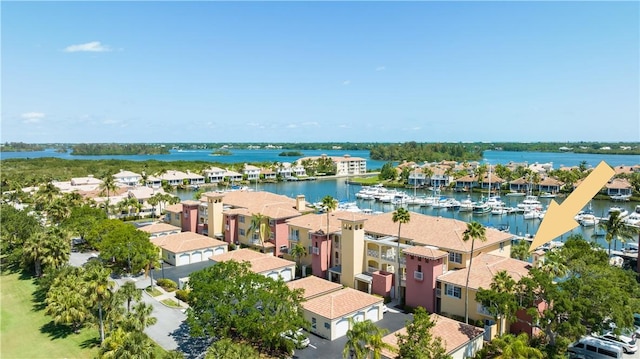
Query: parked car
(299,338)
(626,342)
(594,348)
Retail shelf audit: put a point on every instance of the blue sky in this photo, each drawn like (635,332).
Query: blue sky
(320,71)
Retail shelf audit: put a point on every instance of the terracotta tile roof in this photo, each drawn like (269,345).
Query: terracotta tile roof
(313,286)
(454,334)
(186,241)
(339,303)
(315,222)
(550,181)
(272,205)
(159,228)
(425,252)
(123,174)
(190,202)
(618,183)
(443,233)
(174,208)
(520,180)
(259,262)
(484,268)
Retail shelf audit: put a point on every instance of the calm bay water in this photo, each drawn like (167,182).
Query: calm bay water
(264,155)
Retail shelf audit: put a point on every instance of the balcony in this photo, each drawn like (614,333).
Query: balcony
(372,253)
(418,276)
(254,241)
(372,269)
(389,257)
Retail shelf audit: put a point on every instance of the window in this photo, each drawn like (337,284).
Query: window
(419,268)
(327,325)
(241,219)
(591,348)
(501,246)
(315,250)
(272,222)
(241,232)
(455,257)
(453,291)
(418,275)
(608,353)
(313,323)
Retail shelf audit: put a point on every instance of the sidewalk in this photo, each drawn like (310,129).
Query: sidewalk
(167,295)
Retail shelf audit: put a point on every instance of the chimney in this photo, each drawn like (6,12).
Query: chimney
(300,203)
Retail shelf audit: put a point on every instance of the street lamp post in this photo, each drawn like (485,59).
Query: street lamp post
(162,267)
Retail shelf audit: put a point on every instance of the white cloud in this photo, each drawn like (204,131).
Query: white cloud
(292,125)
(312,123)
(93,46)
(343,126)
(346,82)
(380,68)
(32,117)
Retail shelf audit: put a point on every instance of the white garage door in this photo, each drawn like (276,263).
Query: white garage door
(358,317)
(273,275)
(183,259)
(286,274)
(372,314)
(342,326)
(196,257)
(219,250)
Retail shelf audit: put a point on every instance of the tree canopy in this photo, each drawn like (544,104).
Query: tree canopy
(229,300)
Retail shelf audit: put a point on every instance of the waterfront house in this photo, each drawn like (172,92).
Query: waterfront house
(153,182)
(466,183)
(173,178)
(232,176)
(214,174)
(142,195)
(550,185)
(491,180)
(173,215)
(441,176)
(521,184)
(418,178)
(267,265)
(619,189)
(268,174)
(460,340)
(187,248)
(541,168)
(285,170)
(252,172)
(127,178)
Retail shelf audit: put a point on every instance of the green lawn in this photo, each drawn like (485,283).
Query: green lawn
(26,332)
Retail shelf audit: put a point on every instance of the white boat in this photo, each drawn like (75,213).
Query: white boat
(547,195)
(530,203)
(533,214)
(588,220)
(499,210)
(481,208)
(621,211)
(466,205)
(633,219)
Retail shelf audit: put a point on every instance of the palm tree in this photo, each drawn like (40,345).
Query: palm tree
(364,339)
(520,250)
(136,345)
(99,290)
(259,226)
(108,186)
(511,347)
(50,248)
(46,195)
(140,318)
(474,231)
(329,204)
(615,228)
(130,293)
(228,349)
(298,251)
(554,264)
(503,283)
(66,300)
(400,216)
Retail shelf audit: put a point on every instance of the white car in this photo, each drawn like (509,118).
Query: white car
(627,343)
(384,308)
(299,338)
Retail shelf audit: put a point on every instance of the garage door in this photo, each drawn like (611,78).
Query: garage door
(208,253)
(342,326)
(196,257)
(286,274)
(183,259)
(273,275)
(219,250)
(372,314)
(359,317)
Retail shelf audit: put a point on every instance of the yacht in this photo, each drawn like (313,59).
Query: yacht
(633,219)
(481,208)
(588,220)
(621,211)
(466,205)
(530,203)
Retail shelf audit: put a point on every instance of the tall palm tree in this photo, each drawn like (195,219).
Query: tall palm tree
(503,283)
(108,186)
(329,204)
(520,250)
(474,231)
(99,290)
(136,345)
(260,226)
(364,340)
(66,300)
(46,194)
(130,293)
(554,264)
(46,248)
(615,228)
(297,252)
(140,318)
(400,216)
